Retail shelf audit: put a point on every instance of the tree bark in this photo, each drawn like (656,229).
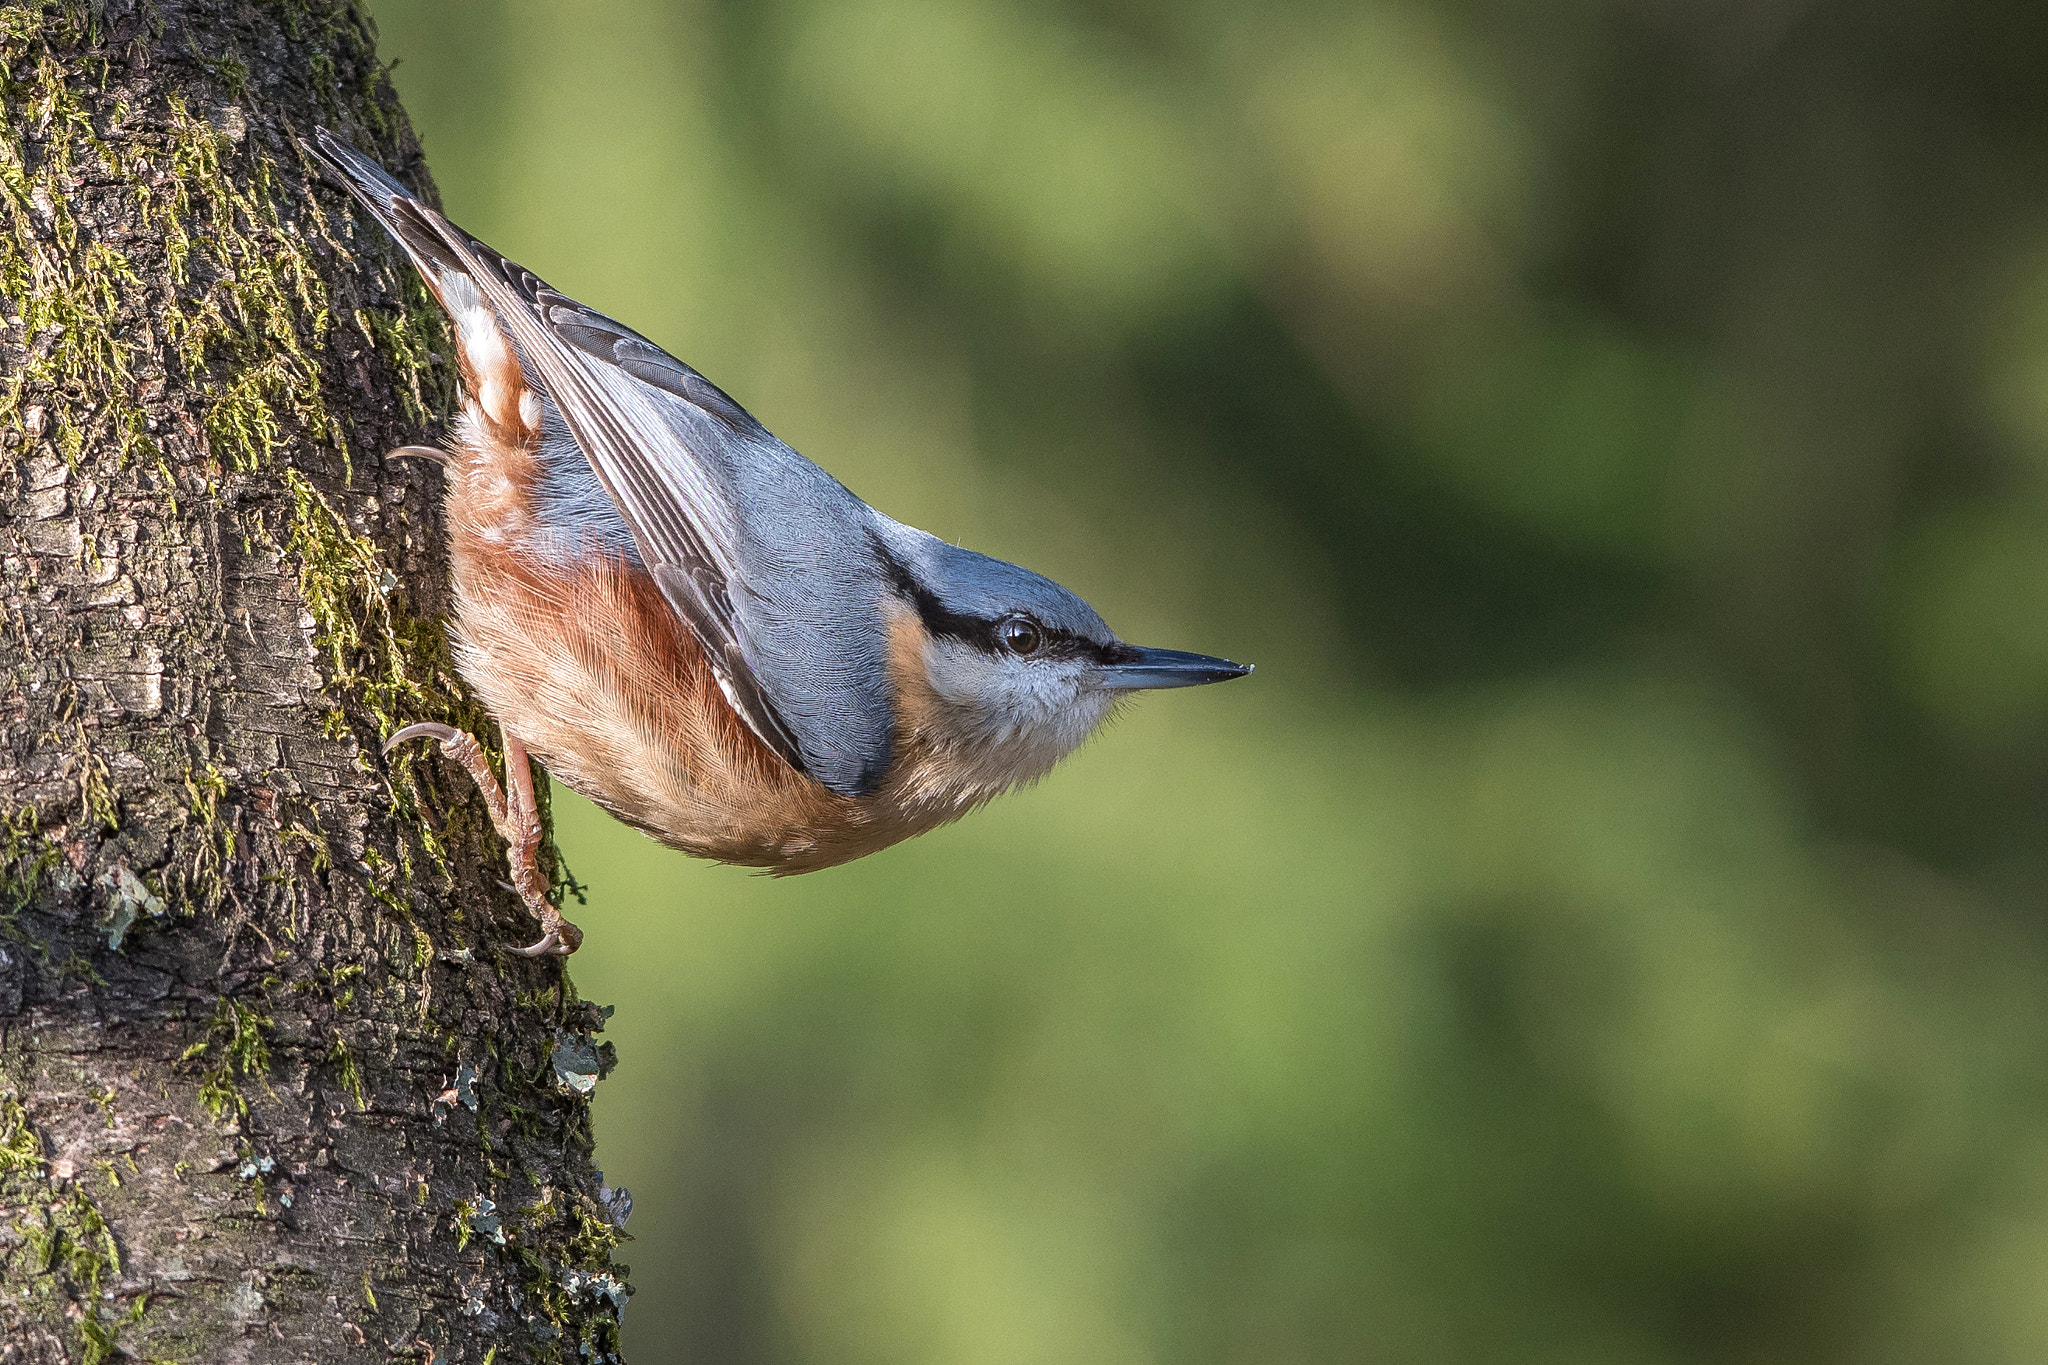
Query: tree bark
(270,1087)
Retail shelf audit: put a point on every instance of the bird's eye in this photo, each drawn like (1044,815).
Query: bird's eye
(1019,636)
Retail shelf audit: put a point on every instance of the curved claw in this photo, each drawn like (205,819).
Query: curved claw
(549,943)
(562,939)
(426,729)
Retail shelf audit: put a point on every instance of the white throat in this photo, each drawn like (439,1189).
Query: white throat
(1010,720)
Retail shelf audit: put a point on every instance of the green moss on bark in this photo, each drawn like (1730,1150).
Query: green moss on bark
(246,318)
(209,340)
(64,1252)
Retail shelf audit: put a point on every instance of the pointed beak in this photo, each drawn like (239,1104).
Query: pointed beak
(1168,668)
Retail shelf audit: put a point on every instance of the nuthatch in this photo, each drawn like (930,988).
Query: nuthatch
(696,627)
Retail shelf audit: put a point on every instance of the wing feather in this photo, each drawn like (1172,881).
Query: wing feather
(609,383)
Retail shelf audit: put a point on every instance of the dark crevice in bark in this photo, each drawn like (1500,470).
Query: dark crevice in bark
(270,1086)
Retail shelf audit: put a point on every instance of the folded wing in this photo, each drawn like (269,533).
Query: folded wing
(678,456)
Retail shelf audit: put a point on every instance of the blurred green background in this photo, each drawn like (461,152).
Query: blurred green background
(1609,928)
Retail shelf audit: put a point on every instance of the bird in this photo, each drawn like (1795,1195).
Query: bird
(696,627)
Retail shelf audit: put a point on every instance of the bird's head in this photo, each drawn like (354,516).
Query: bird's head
(1004,671)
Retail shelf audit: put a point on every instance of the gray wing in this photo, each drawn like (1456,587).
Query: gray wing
(763,554)
(748,540)
(730,522)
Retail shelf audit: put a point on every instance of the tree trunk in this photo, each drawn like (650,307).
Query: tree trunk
(270,1088)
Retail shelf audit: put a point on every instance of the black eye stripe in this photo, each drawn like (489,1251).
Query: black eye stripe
(985,635)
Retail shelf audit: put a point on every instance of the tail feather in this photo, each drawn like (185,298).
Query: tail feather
(420,230)
(451,262)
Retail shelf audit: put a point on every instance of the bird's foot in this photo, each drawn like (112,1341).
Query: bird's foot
(517,820)
(559,938)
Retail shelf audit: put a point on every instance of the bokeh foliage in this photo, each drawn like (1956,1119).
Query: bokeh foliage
(1609,927)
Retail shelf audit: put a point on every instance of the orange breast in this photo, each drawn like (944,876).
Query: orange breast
(584,662)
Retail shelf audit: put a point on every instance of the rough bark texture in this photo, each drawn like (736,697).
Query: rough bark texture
(270,1088)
